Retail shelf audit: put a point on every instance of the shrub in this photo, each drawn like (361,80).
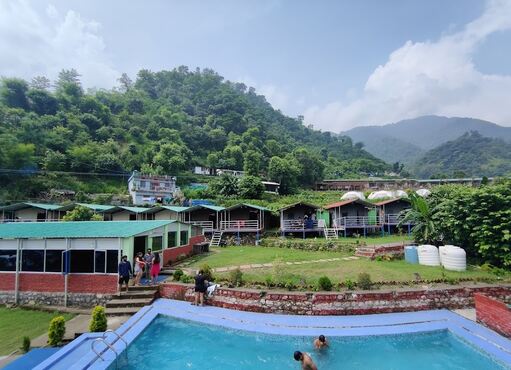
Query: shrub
(186,279)
(364,281)
(324,283)
(268,281)
(56,330)
(207,272)
(349,284)
(289,285)
(236,277)
(98,321)
(25,345)
(178,274)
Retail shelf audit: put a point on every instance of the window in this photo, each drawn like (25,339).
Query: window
(32,260)
(172,239)
(53,260)
(7,259)
(112,262)
(100,257)
(184,237)
(82,261)
(157,243)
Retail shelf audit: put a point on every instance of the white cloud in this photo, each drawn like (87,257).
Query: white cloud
(33,43)
(429,78)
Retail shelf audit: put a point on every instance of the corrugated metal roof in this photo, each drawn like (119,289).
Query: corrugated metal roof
(382,203)
(78,229)
(300,203)
(349,201)
(249,206)
(157,209)
(207,206)
(92,206)
(126,208)
(17,206)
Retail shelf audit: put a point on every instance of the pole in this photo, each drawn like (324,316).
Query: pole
(67,268)
(17,279)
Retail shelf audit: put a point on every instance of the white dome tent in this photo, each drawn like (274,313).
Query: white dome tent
(381,194)
(423,192)
(400,194)
(353,195)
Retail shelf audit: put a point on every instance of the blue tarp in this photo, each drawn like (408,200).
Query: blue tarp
(31,359)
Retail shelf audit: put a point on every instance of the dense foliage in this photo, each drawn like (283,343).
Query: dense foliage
(470,155)
(81,213)
(476,219)
(165,122)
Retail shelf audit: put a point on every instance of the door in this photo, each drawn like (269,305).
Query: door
(139,245)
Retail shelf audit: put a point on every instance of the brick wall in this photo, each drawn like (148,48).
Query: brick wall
(45,282)
(171,254)
(493,313)
(341,303)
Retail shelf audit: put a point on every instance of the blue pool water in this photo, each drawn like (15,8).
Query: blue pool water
(170,343)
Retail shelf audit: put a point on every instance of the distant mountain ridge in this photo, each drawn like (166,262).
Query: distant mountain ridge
(408,140)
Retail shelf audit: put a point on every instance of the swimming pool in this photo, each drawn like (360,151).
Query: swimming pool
(175,335)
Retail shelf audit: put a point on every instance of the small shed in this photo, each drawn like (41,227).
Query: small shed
(27,211)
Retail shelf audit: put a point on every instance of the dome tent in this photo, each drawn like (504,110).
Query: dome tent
(400,194)
(353,195)
(380,194)
(423,192)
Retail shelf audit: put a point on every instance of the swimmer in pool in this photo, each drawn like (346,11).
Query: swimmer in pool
(306,360)
(320,342)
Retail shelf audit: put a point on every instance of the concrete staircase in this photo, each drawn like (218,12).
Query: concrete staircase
(216,238)
(129,303)
(331,233)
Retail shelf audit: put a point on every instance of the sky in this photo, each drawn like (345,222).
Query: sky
(340,64)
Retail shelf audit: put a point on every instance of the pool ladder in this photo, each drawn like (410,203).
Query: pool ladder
(103,339)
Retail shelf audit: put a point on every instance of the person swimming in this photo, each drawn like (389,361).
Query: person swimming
(306,360)
(320,342)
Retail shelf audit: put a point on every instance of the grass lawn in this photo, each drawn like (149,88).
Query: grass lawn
(337,271)
(15,323)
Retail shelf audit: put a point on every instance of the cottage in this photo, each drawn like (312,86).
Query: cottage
(165,213)
(301,218)
(271,187)
(26,212)
(390,209)
(206,216)
(124,213)
(244,218)
(353,214)
(76,262)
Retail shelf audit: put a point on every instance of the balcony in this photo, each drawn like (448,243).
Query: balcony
(240,226)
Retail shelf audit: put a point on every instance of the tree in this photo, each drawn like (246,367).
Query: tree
(13,93)
(81,213)
(171,158)
(285,172)
(125,82)
(42,102)
(250,187)
(310,167)
(40,83)
(225,185)
(252,162)
(420,215)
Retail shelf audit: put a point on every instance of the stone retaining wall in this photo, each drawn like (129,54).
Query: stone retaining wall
(341,303)
(55,299)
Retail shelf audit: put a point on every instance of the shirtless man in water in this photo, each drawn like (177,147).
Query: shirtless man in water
(321,342)
(306,360)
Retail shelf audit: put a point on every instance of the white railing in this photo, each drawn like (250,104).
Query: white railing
(394,219)
(6,220)
(357,221)
(239,225)
(207,226)
(299,225)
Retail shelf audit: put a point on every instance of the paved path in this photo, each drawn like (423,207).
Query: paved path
(266,265)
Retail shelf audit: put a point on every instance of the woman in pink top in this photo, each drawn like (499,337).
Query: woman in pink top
(155,268)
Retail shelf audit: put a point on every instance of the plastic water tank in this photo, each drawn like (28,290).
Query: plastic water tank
(428,255)
(411,255)
(454,259)
(443,249)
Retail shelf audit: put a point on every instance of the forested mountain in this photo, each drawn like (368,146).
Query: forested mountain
(163,122)
(407,140)
(470,155)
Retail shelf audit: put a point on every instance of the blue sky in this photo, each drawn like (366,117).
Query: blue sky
(339,63)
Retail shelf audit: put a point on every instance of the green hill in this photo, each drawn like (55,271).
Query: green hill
(471,155)
(164,122)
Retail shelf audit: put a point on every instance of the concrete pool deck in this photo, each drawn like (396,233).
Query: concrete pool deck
(77,355)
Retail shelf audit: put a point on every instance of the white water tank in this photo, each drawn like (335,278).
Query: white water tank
(353,195)
(380,194)
(443,250)
(454,259)
(428,255)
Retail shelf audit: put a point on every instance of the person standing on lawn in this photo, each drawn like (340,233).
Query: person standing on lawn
(124,273)
(148,259)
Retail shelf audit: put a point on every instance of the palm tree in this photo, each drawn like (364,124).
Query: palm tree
(421,216)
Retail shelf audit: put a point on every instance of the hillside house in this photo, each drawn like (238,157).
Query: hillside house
(30,212)
(151,189)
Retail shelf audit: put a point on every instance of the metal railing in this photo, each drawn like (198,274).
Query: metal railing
(207,226)
(357,221)
(299,224)
(239,225)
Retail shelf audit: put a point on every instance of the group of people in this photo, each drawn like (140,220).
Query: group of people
(305,359)
(148,264)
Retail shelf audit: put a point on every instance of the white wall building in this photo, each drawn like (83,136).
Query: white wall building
(151,189)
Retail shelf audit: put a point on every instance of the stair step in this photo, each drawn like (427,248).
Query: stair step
(136,294)
(122,303)
(122,311)
(143,287)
